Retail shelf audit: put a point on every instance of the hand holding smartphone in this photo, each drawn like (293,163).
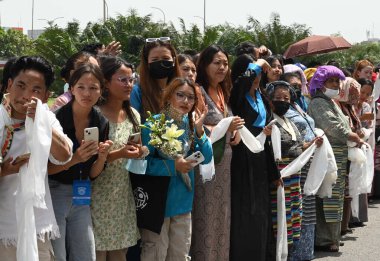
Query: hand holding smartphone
(134,138)
(197,156)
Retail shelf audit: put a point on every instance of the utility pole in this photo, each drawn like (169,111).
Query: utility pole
(204,15)
(32,19)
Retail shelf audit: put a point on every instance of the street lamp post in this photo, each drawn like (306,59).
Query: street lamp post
(32,19)
(204,15)
(159,9)
(105,11)
(0,16)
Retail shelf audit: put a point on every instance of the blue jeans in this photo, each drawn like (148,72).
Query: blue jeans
(77,241)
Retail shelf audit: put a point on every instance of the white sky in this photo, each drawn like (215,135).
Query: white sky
(350,18)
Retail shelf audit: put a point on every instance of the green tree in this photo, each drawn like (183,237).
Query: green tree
(14,43)
(276,36)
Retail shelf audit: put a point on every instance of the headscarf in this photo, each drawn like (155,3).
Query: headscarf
(350,91)
(272,87)
(291,68)
(303,67)
(309,72)
(323,73)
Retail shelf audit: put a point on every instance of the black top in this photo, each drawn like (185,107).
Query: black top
(80,170)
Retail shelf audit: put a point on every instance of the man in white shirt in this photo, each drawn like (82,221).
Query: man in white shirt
(31,77)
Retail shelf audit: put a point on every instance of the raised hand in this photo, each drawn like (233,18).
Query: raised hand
(199,118)
(236,124)
(113,48)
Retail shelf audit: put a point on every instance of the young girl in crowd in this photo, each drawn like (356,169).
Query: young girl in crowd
(113,207)
(363,69)
(158,66)
(277,69)
(173,243)
(213,199)
(187,67)
(363,107)
(75,61)
(72,179)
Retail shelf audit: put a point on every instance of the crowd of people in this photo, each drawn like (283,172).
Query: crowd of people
(93,200)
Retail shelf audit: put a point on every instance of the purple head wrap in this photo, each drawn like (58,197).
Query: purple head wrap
(322,74)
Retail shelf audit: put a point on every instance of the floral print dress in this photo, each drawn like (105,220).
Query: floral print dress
(113,206)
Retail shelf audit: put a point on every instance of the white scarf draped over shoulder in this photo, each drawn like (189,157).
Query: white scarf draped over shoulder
(31,190)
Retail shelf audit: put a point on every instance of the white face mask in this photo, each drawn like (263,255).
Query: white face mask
(331,93)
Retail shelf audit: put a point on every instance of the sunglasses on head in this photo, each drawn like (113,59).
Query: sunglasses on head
(162,39)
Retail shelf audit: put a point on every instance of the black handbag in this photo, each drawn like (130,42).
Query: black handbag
(150,194)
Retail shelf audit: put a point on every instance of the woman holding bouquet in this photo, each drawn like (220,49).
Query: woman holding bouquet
(179,102)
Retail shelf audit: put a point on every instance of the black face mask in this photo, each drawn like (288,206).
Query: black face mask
(280,107)
(161,69)
(298,93)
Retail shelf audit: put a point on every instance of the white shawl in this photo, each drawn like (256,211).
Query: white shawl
(31,190)
(253,144)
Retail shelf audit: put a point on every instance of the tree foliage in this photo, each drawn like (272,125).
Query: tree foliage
(130,29)
(14,43)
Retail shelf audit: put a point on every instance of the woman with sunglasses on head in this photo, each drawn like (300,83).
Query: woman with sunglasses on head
(212,199)
(158,66)
(173,242)
(70,184)
(324,87)
(113,207)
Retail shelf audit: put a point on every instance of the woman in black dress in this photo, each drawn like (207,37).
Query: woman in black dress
(251,173)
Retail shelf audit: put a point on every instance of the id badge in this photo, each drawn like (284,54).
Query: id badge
(81,192)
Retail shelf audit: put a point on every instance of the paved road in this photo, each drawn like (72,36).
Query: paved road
(363,244)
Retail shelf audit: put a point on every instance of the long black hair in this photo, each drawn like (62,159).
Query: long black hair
(109,66)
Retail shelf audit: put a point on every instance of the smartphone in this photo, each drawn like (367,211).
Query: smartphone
(91,134)
(134,137)
(21,158)
(198,156)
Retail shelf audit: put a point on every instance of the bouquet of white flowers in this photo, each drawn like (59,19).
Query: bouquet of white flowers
(164,135)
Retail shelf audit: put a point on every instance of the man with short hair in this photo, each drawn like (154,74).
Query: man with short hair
(30,79)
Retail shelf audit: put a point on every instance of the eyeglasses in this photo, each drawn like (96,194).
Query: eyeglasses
(126,80)
(181,97)
(162,39)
